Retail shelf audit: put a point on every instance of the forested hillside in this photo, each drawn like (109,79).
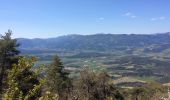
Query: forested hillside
(100,42)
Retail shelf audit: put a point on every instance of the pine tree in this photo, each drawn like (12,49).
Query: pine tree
(8,52)
(57,78)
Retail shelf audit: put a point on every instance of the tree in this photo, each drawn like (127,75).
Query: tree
(95,86)
(8,52)
(23,83)
(57,78)
(150,91)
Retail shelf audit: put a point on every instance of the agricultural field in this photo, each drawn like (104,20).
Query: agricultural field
(140,57)
(139,66)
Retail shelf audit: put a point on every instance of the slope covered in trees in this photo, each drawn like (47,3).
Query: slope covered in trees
(100,42)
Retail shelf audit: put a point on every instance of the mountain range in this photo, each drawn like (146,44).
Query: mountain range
(100,42)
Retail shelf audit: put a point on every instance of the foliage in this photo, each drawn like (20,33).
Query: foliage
(8,49)
(22,82)
(57,78)
(151,91)
(49,96)
(95,86)
(8,52)
(89,86)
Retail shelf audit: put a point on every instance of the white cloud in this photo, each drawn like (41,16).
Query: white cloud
(129,14)
(158,18)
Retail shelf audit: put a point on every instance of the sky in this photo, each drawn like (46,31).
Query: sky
(52,18)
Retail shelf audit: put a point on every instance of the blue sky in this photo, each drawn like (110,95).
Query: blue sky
(52,18)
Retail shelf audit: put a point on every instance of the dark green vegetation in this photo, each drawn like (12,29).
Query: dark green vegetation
(8,55)
(140,57)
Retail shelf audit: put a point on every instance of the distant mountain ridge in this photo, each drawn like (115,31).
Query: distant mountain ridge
(99,42)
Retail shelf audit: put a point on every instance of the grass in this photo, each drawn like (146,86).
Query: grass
(146,78)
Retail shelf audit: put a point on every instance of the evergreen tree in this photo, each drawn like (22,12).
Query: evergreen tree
(8,52)
(57,78)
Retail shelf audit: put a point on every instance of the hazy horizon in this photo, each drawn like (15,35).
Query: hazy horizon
(88,35)
(53,18)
